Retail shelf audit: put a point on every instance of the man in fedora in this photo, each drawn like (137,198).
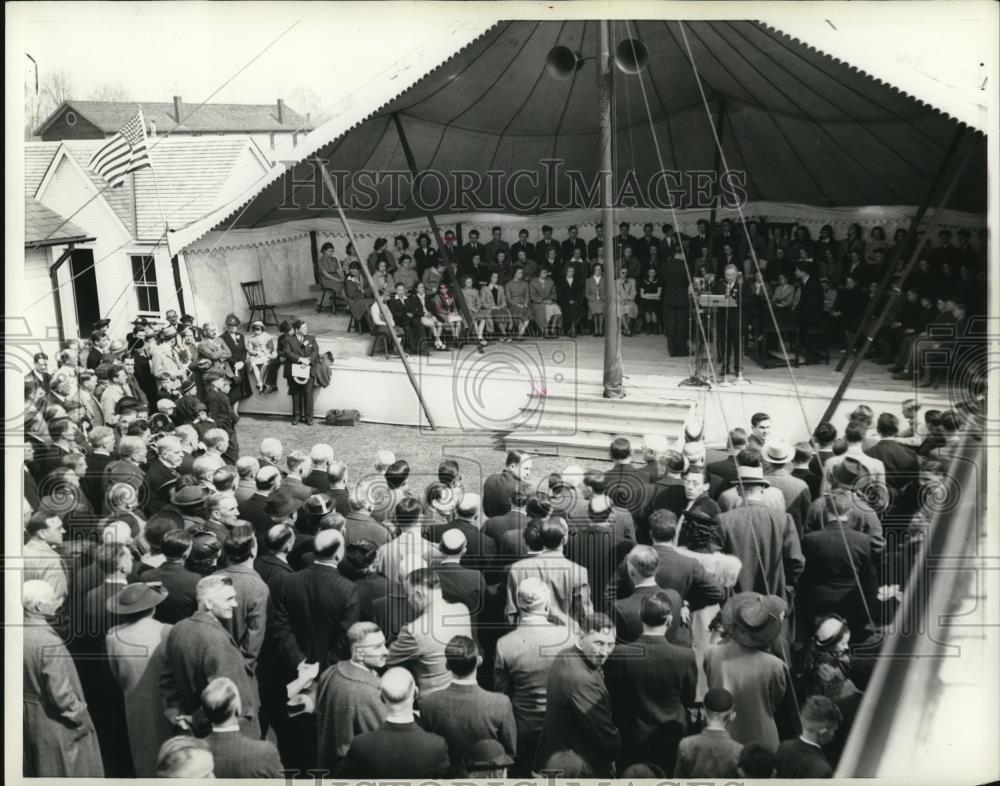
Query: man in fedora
(741,664)
(764,539)
(777,455)
(847,482)
(136,655)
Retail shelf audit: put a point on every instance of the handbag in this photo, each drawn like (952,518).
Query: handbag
(343,417)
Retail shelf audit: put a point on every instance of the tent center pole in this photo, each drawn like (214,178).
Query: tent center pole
(613,371)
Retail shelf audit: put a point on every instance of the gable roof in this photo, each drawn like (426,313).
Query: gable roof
(110,116)
(45,227)
(191,174)
(803,126)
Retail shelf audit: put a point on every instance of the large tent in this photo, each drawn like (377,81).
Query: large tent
(805,128)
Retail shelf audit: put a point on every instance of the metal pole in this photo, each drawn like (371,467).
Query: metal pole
(411,162)
(386,314)
(911,235)
(613,372)
(870,334)
(719,128)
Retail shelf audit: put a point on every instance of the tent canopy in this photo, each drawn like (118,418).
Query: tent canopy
(798,124)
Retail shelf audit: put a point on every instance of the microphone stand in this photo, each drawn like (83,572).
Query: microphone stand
(740,379)
(696,379)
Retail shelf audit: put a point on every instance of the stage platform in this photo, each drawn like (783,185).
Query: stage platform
(504,387)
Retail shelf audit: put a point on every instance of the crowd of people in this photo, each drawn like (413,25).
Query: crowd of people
(192,608)
(783,280)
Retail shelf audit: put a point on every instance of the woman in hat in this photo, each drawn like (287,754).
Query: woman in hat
(260,350)
(136,655)
(237,344)
(700,538)
(742,664)
(826,667)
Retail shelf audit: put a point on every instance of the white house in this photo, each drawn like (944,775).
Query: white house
(123,264)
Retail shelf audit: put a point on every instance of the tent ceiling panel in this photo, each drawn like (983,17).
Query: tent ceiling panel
(804,126)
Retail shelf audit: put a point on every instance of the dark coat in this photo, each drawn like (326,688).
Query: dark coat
(237,756)
(497,526)
(254,510)
(198,650)
(181,586)
(798,759)
(651,682)
(158,476)
(687,577)
(297,347)
(629,487)
(465,714)
(828,584)
(318,479)
(628,625)
(271,569)
(599,549)
(391,612)
(462,585)
(312,611)
(397,750)
(578,715)
(496,493)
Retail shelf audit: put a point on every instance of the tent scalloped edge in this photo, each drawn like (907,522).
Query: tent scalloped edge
(866,74)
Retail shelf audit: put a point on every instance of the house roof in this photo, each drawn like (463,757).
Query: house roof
(190,175)
(110,116)
(45,227)
(804,127)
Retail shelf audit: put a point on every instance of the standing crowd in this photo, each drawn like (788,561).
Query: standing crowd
(192,608)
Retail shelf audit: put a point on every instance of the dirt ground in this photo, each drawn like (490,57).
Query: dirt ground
(478,453)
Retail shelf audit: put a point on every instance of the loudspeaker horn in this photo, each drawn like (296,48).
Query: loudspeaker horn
(562,62)
(631,56)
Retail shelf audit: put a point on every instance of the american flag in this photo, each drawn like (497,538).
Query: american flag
(125,152)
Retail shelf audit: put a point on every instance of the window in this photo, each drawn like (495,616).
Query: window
(144,278)
(71,118)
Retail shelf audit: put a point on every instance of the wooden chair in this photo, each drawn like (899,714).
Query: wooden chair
(253,291)
(381,336)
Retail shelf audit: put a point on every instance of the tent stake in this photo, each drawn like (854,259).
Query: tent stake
(873,331)
(386,314)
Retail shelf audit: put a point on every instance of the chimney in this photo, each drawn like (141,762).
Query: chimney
(281,110)
(152,129)
(178,105)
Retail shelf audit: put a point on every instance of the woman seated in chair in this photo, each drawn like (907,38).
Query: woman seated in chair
(625,294)
(572,300)
(784,293)
(446,312)
(480,315)
(503,268)
(547,312)
(260,350)
(418,307)
(331,275)
(493,300)
(381,328)
(359,296)
(594,291)
(382,279)
(518,301)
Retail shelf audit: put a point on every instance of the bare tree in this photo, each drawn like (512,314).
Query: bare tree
(111,92)
(57,87)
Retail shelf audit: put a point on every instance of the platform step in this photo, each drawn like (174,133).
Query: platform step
(582,446)
(572,423)
(602,407)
